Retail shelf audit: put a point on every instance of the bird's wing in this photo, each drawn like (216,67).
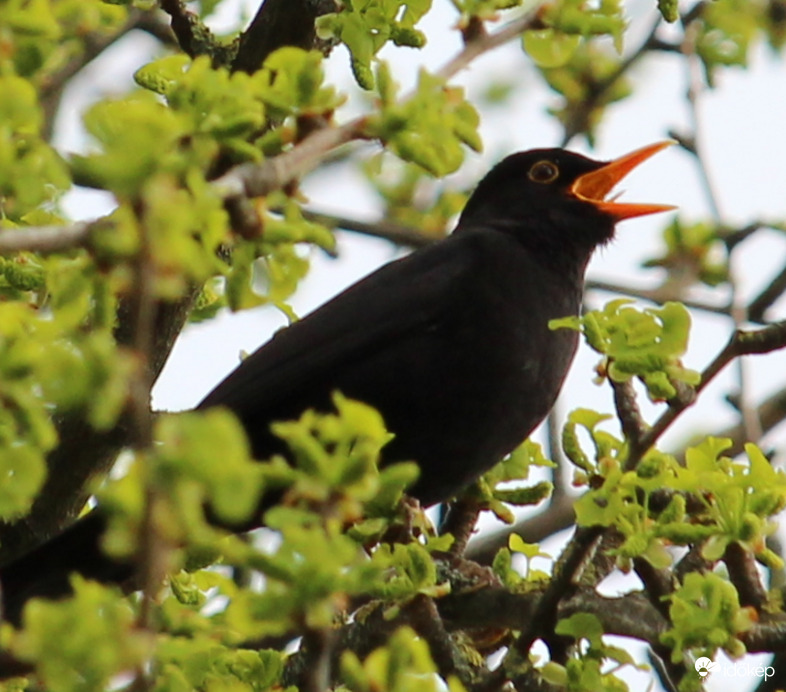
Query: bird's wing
(405,296)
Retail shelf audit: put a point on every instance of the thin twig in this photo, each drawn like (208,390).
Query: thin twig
(460,522)
(633,424)
(152,554)
(566,574)
(47,239)
(767,296)
(695,87)
(741,343)
(558,516)
(93,44)
(737,311)
(406,236)
(554,452)
(653,295)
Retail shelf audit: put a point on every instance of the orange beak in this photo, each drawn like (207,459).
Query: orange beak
(593,187)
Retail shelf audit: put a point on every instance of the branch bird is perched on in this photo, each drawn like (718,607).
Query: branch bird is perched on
(450,343)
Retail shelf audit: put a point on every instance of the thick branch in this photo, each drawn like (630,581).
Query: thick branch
(279,23)
(192,35)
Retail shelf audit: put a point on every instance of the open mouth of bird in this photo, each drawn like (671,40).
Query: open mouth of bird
(596,186)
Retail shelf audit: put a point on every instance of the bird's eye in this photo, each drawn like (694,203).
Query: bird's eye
(543,172)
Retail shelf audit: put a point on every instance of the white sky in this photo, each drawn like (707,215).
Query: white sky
(743,136)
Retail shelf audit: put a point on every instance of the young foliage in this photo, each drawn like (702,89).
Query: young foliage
(645,343)
(56,353)
(411,197)
(737,499)
(41,36)
(706,616)
(365,26)
(490,496)
(581,18)
(430,127)
(31,172)
(588,669)
(404,665)
(586,76)
(75,654)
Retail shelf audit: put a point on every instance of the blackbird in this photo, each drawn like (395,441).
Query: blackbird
(450,343)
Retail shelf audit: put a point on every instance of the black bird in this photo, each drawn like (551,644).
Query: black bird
(450,343)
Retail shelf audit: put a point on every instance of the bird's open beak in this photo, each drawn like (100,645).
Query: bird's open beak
(593,187)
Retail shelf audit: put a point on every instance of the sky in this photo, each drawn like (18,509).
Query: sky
(742,134)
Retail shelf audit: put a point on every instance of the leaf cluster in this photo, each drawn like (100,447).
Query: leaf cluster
(729,501)
(588,669)
(646,344)
(430,127)
(365,26)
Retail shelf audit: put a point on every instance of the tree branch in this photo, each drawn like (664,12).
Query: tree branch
(47,239)
(741,343)
(192,35)
(405,236)
(557,516)
(744,575)
(565,576)
(768,295)
(460,522)
(279,23)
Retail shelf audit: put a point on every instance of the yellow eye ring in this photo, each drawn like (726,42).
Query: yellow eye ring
(543,172)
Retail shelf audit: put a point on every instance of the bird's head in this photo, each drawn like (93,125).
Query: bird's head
(555,200)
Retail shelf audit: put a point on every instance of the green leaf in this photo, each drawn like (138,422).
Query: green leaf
(430,128)
(645,343)
(31,171)
(365,26)
(23,471)
(705,614)
(209,448)
(694,252)
(549,48)
(162,75)
(82,643)
(581,626)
